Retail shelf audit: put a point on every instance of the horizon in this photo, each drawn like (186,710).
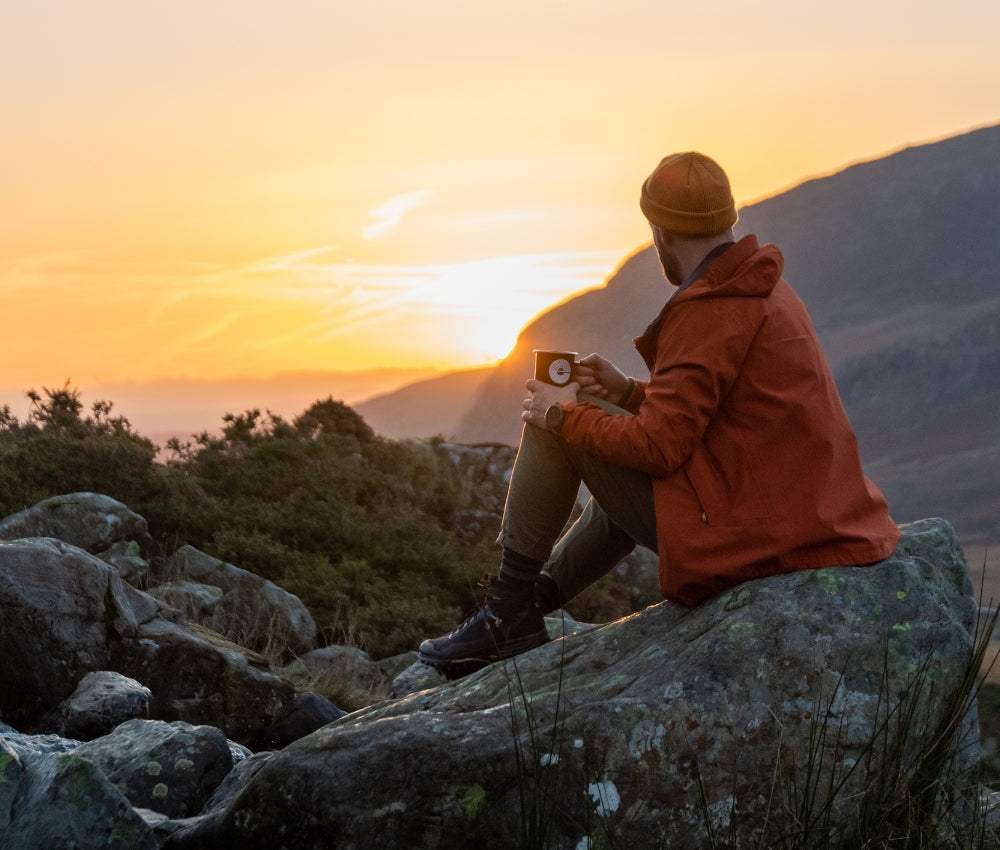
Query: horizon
(202,195)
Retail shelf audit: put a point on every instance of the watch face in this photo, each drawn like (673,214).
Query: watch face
(560,371)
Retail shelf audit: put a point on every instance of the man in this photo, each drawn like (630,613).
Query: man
(734,461)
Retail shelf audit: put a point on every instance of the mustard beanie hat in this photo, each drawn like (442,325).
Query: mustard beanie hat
(689,193)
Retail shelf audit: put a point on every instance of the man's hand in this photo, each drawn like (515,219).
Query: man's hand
(599,377)
(542,396)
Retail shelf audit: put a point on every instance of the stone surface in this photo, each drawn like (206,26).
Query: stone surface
(484,470)
(11,771)
(65,801)
(344,670)
(307,713)
(172,768)
(63,610)
(125,556)
(658,730)
(30,745)
(251,610)
(101,701)
(67,613)
(88,520)
(197,600)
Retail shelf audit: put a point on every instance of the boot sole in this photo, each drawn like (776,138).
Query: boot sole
(454,668)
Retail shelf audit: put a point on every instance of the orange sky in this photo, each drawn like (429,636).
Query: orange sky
(221,189)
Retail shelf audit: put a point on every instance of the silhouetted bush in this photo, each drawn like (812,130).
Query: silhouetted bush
(360,528)
(59,450)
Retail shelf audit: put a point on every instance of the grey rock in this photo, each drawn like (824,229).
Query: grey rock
(658,730)
(88,520)
(67,613)
(417,677)
(396,664)
(484,470)
(125,556)
(198,677)
(31,745)
(172,768)
(66,801)
(348,672)
(236,780)
(102,700)
(306,713)
(255,612)
(11,771)
(197,600)
(63,610)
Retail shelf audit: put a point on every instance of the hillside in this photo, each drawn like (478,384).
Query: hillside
(899,263)
(426,408)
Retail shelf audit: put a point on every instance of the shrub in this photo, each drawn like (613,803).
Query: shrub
(59,450)
(360,528)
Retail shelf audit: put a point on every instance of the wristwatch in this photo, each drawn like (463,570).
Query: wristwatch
(554,417)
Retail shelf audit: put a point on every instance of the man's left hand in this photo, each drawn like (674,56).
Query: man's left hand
(542,396)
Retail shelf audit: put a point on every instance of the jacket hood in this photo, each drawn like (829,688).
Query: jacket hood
(747,270)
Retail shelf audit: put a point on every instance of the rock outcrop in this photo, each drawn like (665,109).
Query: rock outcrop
(102,700)
(172,768)
(67,614)
(114,791)
(91,521)
(817,700)
(812,700)
(234,601)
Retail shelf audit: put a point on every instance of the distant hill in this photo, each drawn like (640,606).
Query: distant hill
(427,408)
(898,260)
(604,320)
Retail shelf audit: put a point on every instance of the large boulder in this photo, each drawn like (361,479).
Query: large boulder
(236,603)
(11,773)
(89,520)
(66,613)
(307,713)
(63,612)
(172,768)
(162,772)
(63,800)
(833,698)
(102,700)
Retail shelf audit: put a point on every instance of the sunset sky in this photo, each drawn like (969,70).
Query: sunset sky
(224,189)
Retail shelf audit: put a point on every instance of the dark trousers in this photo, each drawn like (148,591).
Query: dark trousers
(543,490)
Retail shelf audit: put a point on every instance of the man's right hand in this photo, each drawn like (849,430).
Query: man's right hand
(599,377)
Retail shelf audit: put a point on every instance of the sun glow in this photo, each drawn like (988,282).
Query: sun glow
(491,300)
(348,186)
(288,313)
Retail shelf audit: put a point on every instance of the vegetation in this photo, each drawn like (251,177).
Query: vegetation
(361,529)
(358,527)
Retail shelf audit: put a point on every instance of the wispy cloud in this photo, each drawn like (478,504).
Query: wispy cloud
(112,321)
(386,216)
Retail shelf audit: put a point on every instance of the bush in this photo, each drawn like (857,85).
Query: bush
(358,527)
(58,450)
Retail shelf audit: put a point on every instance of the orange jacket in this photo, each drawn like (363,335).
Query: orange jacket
(755,467)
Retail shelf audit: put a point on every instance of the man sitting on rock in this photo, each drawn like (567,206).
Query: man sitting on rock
(733,461)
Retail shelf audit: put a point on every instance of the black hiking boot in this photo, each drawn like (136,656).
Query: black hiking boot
(500,629)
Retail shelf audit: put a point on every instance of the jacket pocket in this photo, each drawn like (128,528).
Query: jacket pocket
(729,495)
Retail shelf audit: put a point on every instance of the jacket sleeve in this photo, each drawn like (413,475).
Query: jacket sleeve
(700,349)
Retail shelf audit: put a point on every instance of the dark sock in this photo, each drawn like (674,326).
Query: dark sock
(516,582)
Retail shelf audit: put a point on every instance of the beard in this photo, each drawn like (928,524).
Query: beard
(672,268)
(668,259)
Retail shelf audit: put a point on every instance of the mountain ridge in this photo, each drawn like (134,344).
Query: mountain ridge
(898,263)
